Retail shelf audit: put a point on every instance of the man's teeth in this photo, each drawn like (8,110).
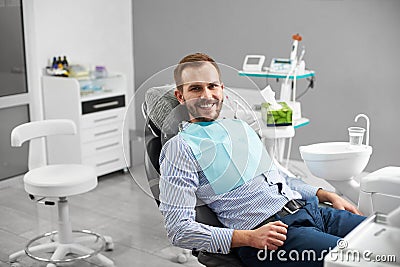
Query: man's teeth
(206,105)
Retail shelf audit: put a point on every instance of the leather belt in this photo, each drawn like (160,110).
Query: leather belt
(290,207)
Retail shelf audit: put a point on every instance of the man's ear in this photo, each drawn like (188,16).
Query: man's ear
(179,96)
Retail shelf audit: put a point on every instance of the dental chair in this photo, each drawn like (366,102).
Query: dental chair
(163,114)
(159,102)
(46,183)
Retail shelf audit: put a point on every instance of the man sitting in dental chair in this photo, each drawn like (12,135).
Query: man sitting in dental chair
(224,164)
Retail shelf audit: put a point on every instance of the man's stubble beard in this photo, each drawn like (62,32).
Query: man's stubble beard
(197,116)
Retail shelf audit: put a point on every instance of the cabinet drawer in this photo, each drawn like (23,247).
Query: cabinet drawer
(102,132)
(107,161)
(103,104)
(104,117)
(107,144)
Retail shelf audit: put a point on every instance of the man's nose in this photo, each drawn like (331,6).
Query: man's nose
(206,93)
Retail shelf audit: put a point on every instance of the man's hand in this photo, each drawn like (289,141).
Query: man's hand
(271,235)
(337,201)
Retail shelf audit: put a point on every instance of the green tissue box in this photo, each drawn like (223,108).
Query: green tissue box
(280,117)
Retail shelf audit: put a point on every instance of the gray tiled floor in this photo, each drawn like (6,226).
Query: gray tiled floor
(118,207)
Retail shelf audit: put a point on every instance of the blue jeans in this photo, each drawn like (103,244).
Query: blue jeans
(312,231)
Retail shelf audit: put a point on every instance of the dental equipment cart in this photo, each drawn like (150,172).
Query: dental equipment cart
(276,75)
(278,135)
(280,75)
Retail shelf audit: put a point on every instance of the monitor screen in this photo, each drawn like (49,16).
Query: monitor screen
(253,60)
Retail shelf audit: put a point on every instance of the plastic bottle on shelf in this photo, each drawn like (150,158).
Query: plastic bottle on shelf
(64,63)
(59,63)
(54,63)
(100,72)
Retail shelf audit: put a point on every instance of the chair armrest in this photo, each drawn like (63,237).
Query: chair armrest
(384,181)
(219,260)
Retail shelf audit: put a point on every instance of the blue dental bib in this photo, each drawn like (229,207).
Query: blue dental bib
(229,152)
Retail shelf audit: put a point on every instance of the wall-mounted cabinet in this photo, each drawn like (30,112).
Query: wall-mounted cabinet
(98,108)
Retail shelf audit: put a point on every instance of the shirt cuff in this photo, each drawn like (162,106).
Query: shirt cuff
(221,240)
(309,191)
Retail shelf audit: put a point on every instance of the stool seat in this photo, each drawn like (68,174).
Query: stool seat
(60,180)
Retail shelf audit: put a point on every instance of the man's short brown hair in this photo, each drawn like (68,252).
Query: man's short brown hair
(196,60)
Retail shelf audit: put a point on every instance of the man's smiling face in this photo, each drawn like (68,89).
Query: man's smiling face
(202,92)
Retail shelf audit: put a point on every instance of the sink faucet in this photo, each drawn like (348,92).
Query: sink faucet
(367,119)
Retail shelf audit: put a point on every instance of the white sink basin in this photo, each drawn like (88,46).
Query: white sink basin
(335,160)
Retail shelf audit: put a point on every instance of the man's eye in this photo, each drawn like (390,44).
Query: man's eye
(196,88)
(213,86)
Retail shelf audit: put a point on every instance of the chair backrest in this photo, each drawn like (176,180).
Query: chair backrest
(37,130)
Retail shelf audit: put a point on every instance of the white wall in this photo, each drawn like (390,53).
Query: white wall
(95,32)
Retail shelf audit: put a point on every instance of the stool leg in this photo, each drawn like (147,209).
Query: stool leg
(99,258)
(105,261)
(61,251)
(19,254)
(84,239)
(48,247)
(64,224)
(109,242)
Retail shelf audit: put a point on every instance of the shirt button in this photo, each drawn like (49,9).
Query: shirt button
(219,250)
(283,193)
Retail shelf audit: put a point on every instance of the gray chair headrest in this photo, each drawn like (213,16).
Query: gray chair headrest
(160,101)
(164,111)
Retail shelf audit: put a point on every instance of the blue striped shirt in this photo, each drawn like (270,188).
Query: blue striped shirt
(182,182)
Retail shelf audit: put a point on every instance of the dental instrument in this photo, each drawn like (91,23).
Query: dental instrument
(296,39)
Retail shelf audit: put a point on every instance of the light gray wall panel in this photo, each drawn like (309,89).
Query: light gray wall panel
(13,160)
(12,61)
(353,45)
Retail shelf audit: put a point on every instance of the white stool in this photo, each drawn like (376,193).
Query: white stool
(58,181)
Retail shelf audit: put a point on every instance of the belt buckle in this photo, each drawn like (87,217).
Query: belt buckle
(290,211)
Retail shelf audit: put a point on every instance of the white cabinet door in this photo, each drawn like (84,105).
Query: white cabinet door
(103,138)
